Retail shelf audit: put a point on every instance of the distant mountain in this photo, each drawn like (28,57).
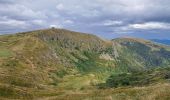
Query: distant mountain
(166,42)
(44,62)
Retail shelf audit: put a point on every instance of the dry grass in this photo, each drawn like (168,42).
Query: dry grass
(155,92)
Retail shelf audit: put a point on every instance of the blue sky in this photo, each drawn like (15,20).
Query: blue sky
(149,19)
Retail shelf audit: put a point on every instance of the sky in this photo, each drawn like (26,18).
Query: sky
(148,19)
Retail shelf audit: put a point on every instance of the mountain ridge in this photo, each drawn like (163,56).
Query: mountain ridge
(67,60)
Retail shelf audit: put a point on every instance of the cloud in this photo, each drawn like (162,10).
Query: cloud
(6,1)
(111,23)
(151,25)
(19,11)
(68,22)
(60,6)
(38,22)
(14,23)
(4,21)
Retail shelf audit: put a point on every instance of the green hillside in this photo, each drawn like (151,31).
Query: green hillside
(60,64)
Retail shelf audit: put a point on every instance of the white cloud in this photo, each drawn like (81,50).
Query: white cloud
(38,22)
(60,6)
(68,22)
(111,22)
(18,10)
(151,25)
(13,23)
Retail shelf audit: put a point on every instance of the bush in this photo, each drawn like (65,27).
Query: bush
(138,78)
(119,80)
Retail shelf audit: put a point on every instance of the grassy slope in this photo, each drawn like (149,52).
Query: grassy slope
(55,60)
(154,92)
(137,54)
